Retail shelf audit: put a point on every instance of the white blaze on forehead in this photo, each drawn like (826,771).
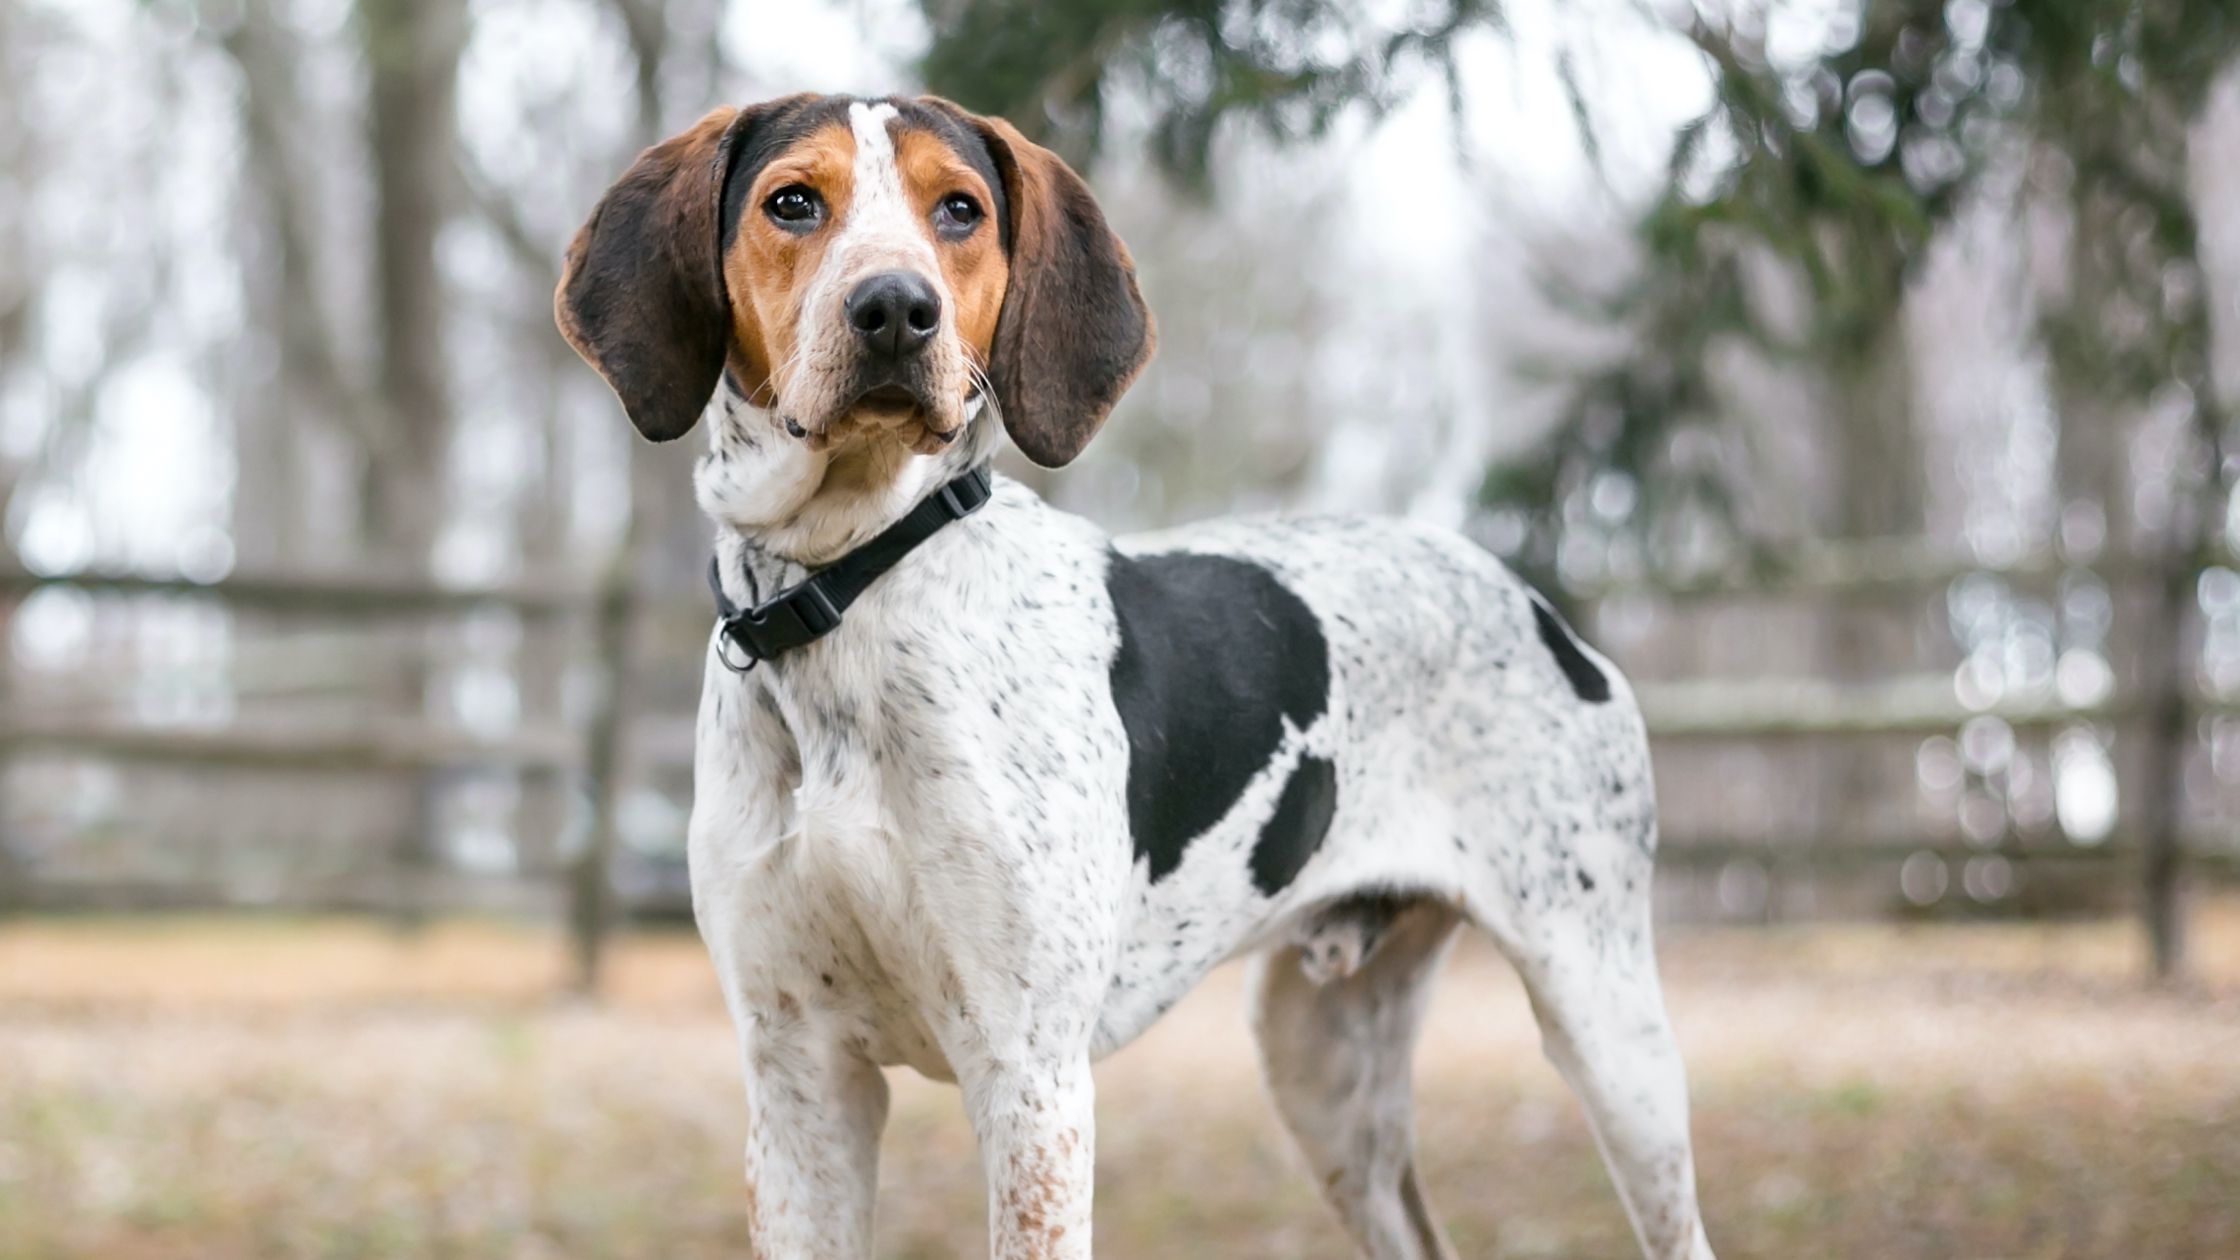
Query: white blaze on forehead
(880,218)
(879,211)
(875,169)
(881,231)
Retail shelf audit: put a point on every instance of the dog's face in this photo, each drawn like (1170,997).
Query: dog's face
(865,271)
(865,253)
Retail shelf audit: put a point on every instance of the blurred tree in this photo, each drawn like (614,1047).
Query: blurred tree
(15,314)
(393,401)
(1290,65)
(412,50)
(15,281)
(310,376)
(1838,169)
(1833,174)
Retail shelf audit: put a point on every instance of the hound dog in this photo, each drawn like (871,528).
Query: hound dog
(1035,782)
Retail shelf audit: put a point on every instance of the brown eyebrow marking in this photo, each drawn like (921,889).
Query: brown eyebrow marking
(767,270)
(930,169)
(975,269)
(824,160)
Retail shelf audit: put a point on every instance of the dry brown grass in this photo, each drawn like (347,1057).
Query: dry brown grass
(252,1089)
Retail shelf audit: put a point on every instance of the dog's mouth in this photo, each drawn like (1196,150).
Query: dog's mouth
(888,399)
(893,407)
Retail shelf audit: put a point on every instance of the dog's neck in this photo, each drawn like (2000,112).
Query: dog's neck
(782,509)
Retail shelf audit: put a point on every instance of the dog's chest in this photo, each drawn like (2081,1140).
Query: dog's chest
(915,825)
(817,888)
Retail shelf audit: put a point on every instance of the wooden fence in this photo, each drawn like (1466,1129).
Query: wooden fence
(593,755)
(2161,712)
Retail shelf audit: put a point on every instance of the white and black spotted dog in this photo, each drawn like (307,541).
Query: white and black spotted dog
(1036,782)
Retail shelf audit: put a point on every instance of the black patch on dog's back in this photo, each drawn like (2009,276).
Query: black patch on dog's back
(1587,680)
(1296,829)
(1214,655)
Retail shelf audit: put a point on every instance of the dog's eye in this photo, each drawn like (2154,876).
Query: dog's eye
(793,206)
(957,214)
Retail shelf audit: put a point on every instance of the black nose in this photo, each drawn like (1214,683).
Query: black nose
(895,312)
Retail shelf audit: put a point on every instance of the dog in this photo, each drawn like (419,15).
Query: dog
(999,808)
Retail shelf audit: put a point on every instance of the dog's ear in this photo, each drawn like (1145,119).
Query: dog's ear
(641,294)
(1074,330)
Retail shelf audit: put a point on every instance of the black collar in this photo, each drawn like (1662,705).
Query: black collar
(810,609)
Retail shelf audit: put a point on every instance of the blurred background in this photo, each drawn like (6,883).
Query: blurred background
(1859,375)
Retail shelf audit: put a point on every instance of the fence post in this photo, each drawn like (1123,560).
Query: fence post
(550,646)
(2165,676)
(15,875)
(591,908)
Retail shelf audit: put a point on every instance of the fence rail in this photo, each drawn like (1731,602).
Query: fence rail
(372,746)
(1918,704)
(365,594)
(1866,567)
(2203,851)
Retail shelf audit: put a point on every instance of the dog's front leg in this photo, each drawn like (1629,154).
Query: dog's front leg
(1036,1123)
(814,1113)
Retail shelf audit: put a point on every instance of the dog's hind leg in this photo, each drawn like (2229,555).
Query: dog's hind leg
(1338,1059)
(1588,963)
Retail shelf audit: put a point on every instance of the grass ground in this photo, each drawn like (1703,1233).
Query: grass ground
(287,1089)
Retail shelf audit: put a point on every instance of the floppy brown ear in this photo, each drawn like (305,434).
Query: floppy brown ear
(641,294)
(1074,330)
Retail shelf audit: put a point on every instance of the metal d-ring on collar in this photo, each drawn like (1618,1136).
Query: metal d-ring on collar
(811,608)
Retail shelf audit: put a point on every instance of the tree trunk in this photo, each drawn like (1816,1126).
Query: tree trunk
(542,815)
(283,421)
(592,912)
(412,50)
(14,876)
(270,525)
(15,313)
(2097,372)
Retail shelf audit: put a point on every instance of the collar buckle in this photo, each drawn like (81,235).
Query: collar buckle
(965,495)
(793,618)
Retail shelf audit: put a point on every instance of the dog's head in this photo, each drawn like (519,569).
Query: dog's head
(864,270)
